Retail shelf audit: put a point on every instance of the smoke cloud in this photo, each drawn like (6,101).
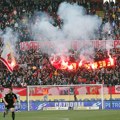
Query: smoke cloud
(77,25)
(9,38)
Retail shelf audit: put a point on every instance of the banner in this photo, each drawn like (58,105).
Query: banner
(20,91)
(51,91)
(38,105)
(74,44)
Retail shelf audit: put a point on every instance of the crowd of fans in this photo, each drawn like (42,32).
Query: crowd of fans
(16,14)
(35,67)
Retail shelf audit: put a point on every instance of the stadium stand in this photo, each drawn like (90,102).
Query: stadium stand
(39,70)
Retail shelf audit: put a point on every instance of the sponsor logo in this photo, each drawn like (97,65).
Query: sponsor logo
(96,104)
(55,108)
(50,108)
(41,106)
(69,104)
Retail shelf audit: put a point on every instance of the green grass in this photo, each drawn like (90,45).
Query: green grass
(65,115)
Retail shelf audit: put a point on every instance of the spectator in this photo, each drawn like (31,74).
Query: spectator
(36,69)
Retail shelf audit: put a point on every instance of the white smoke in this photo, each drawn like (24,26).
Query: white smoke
(43,28)
(9,38)
(77,25)
(107,35)
(107,31)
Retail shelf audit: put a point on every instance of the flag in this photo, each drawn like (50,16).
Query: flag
(7,57)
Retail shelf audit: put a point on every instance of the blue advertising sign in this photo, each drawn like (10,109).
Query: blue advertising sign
(39,105)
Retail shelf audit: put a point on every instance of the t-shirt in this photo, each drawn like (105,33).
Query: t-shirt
(10,98)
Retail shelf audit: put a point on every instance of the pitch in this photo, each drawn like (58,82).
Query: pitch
(66,115)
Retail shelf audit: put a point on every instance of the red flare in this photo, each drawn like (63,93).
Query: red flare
(70,67)
(92,65)
(80,63)
(111,59)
